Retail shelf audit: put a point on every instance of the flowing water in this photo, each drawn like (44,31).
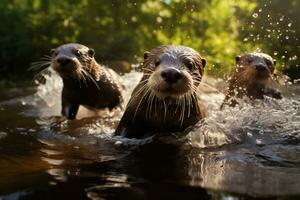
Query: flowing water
(249,151)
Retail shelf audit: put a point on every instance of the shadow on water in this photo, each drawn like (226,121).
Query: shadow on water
(239,153)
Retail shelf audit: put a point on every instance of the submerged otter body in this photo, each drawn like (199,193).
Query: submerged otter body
(252,78)
(85,82)
(165,100)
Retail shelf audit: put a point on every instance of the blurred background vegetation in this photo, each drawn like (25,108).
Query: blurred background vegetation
(121,30)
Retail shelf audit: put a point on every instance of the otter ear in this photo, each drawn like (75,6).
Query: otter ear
(237,59)
(203,62)
(274,62)
(91,53)
(146,54)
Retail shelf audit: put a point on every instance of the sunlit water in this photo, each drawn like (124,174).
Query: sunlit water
(252,150)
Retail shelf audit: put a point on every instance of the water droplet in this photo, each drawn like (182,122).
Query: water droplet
(255,15)
(275,53)
(289,24)
(287,37)
(246,39)
(260,10)
(3,135)
(281,18)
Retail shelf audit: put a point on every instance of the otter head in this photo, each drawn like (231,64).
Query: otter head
(257,67)
(72,60)
(173,71)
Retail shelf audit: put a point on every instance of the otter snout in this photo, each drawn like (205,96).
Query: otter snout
(261,67)
(63,61)
(64,64)
(171,75)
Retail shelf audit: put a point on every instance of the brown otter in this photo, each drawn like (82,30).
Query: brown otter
(252,77)
(85,82)
(165,100)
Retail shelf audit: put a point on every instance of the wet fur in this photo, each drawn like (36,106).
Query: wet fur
(150,111)
(247,81)
(85,82)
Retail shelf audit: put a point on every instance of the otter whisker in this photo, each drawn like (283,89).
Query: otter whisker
(48,56)
(38,65)
(82,76)
(40,61)
(177,102)
(40,73)
(145,94)
(242,75)
(181,118)
(143,81)
(150,101)
(89,76)
(165,110)
(189,104)
(138,93)
(148,105)
(147,74)
(149,70)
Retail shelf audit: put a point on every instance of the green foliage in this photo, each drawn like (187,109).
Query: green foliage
(124,29)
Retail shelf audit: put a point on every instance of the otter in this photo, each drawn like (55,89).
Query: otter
(166,99)
(85,82)
(251,78)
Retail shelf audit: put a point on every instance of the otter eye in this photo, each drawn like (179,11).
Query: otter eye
(77,53)
(189,64)
(249,60)
(269,62)
(157,63)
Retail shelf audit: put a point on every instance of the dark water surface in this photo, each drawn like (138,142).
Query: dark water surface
(241,153)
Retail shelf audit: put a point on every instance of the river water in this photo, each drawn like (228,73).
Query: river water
(246,152)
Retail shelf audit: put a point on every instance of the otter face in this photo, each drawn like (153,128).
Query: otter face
(173,71)
(71,59)
(258,66)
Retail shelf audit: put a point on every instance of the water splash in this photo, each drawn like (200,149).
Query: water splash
(258,123)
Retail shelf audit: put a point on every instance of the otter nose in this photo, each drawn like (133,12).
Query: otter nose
(171,75)
(260,67)
(63,60)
